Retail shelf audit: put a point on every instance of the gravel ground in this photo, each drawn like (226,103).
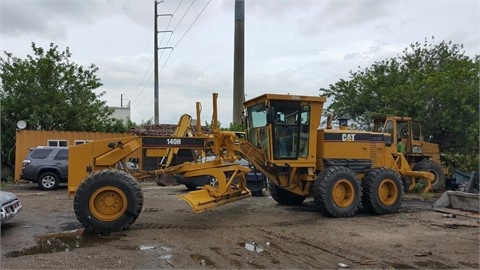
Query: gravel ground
(252,233)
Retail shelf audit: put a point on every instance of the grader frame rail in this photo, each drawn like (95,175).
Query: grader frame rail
(331,165)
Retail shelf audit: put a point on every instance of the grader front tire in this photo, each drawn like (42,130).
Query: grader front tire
(435,168)
(382,191)
(108,201)
(283,196)
(337,192)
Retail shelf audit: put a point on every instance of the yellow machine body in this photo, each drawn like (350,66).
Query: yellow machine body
(283,140)
(313,149)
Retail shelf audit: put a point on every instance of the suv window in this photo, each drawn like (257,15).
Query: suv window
(61,155)
(40,153)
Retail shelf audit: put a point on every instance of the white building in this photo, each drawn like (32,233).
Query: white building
(122,113)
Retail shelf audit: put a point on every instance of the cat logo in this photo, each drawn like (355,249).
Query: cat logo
(348,137)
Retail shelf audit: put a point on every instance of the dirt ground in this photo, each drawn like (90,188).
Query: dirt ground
(252,233)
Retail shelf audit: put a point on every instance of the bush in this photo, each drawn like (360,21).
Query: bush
(461,162)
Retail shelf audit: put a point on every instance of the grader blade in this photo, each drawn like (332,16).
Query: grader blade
(201,200)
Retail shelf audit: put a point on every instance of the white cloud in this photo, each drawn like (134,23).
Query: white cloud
(291,46)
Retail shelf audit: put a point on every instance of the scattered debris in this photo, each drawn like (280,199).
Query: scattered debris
(253,247)
(145,247)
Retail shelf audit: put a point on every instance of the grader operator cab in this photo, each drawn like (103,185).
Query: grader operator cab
(284,142)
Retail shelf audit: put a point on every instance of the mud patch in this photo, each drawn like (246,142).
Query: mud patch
(433,265)
(202,260)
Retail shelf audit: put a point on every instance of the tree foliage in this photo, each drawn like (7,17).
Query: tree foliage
(50,92)
(435,84)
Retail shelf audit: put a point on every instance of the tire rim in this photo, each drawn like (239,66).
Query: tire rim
(343,193)
(387,192)
(212,181)
(108,203)
(435,180)
(48,181)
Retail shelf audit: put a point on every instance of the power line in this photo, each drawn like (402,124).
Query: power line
(143,79)
(192,23)
(142,93)
(175,28)
(170,21)
(184,34)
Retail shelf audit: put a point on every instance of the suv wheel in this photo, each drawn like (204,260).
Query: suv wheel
(48,181)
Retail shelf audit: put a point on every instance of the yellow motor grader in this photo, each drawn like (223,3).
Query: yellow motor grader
(420,154)
(340,168)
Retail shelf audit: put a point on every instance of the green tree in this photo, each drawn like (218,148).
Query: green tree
(119,125)
(435,84)
(49,92)
(234,127)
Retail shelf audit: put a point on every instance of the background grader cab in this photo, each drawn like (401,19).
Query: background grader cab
(284,142)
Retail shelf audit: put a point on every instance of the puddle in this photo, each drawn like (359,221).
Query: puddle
(63,241)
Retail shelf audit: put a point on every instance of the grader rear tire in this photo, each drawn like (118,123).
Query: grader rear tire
(337,192)
(283,196)
(382,191)
(108,201)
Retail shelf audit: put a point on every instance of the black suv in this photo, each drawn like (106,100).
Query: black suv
(46,165)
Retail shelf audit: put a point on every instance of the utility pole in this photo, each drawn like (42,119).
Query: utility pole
(155,56)
(155,70)
(239,62)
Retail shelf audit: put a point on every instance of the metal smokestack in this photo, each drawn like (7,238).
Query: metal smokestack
(239,62)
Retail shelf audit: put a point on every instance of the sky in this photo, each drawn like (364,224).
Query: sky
(291,46)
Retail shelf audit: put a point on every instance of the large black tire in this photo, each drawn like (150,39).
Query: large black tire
(257,193)
(191,187)
(283,196)
(382,191)
(108,201)
(337,192)
(256,189)
(48,181)
(431,166)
